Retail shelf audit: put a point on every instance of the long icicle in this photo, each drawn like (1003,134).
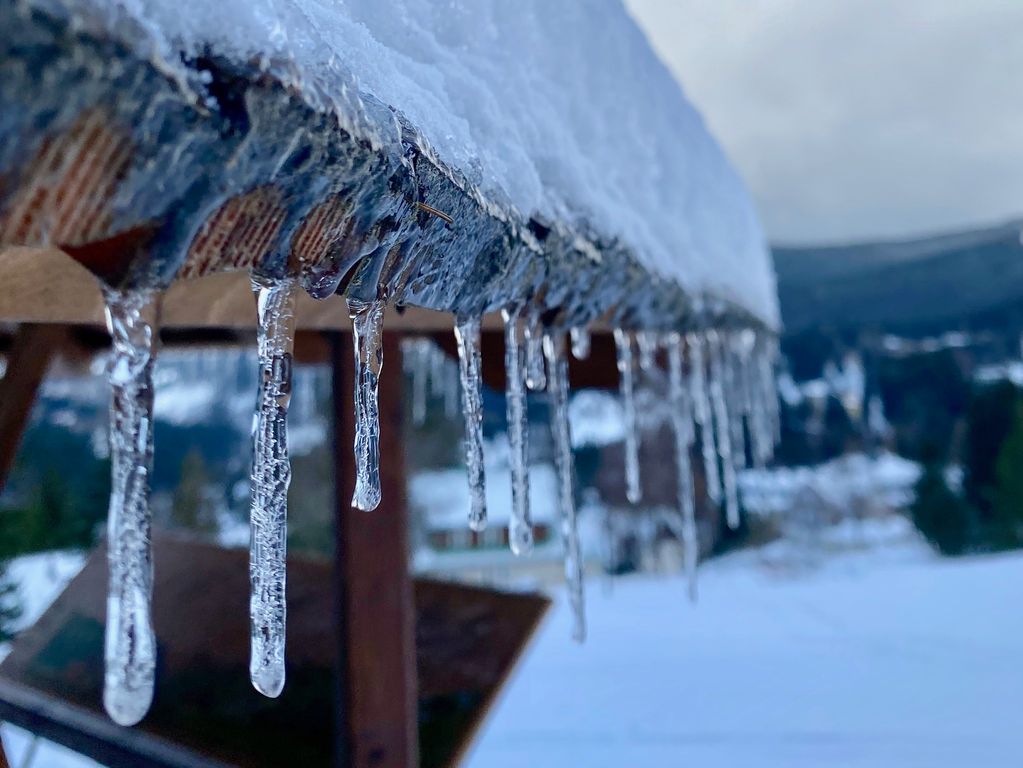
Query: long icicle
(367,327)
(467,334)
(734,395)
(271,476)
(626,373)
(419,381)
(130,647)
(682,426)
(724,443)
(557,388)
(520,527)
(702,414)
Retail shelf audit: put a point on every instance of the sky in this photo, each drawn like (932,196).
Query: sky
(857,119)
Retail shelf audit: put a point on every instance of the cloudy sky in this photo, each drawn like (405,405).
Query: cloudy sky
(854,119)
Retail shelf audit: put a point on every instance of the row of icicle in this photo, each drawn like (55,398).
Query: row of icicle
(720,382)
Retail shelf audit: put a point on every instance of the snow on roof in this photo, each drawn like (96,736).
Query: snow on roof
(556,109)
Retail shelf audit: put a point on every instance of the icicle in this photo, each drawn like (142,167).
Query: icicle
(557,369)
(536,378)
(419,377)
(701,411)
(467,334)
(734,395)
(647,343)
(436,366)
(520,528)
(130,648)
(623,345)
(367,327)
(580,343)
(451,378)
(271,476)
(682,426)
(717,399)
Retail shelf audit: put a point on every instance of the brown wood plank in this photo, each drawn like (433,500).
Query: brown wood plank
(39,285)
(377,708)
(31,351)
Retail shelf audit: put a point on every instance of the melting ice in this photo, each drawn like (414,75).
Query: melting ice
(520,528)
(367,328)
(271,476)
(467,334)
(130,647)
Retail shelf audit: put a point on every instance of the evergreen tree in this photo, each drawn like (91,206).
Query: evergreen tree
(192,507)
(940,515)
(1007,520)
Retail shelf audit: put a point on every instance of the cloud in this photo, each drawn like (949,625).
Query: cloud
(854,119)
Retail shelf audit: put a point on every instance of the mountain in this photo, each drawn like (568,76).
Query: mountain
(962,280)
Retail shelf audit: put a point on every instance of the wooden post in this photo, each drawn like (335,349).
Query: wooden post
(33,347)
(378,720)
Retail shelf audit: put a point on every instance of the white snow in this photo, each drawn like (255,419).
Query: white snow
(873,664)
(553,107)
(442,496)
(886,478)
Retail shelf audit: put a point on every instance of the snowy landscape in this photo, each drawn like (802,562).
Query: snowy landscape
(873,658)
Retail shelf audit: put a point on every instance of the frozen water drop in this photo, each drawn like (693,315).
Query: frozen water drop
(420,350)
(130,646)
(367,329)
(626,373)
(721,423)
(520,528)
(467,334)
(536,378)
(580,343)
(271,476)
(646,341)
(557,383)
(702,414)
(682,428)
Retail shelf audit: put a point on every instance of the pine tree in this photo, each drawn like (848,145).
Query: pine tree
(192,508)
(1007,520)
(945,519)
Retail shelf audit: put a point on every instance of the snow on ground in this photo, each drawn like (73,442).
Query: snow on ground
(40,578)
(872,661)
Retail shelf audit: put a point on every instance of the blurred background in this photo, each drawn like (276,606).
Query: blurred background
(866,612)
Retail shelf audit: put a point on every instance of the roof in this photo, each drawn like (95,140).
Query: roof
(396,150)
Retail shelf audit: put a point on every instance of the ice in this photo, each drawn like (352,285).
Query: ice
(520,529)
(451,385)
(557,383)
(626,372)
(271,475)
(682,429)
(536,378)
(420,374)
(580,343)
(647,341)
(702,414)
(480,81)
(367,329)
(467,334)
(724,443)
(130,646)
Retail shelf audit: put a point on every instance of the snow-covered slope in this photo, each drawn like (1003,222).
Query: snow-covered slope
(553,108)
